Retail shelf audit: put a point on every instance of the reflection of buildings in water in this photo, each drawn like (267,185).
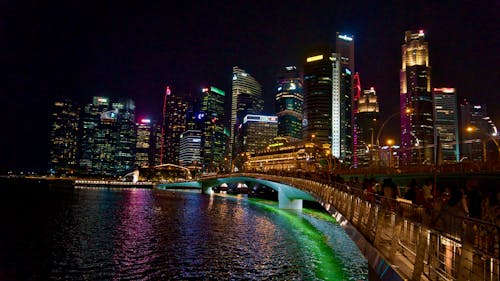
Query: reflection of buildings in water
(296,156)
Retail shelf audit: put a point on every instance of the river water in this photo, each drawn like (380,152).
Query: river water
(144,234)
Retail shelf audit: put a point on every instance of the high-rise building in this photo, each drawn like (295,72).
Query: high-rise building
(94,153)
(126,136)
(145,143)
(174,124)
(417,131)
(190,149)
(446,125)
(108,137)
(475,127)
(344,90)
(258,132)
(319,116)
(246,99)
(289,101)
(367,126)
(64,137)
(214,137)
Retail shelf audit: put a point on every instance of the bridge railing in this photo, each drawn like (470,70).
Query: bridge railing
(421,243)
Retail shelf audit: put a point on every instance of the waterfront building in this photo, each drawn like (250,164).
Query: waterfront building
(344,91)
(144,146)
(94,154)
(174,124)
(190,149)
(417,122)
(64,137)
(214,135)
(246,99)
(289,101)
(367,126)
(258,132)
(126,136)
(328,97)
(446,125)
(318,112)
(108,137)
(281,155)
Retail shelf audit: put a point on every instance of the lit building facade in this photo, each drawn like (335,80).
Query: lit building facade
(214,137)
(416,106)
(190,149)
(317,118)
(174,124)
(367,126)
(108,137)
(289,101)
(145,143)
(258,132)
(446,125)
(344,92)
(64,137)
(246,99)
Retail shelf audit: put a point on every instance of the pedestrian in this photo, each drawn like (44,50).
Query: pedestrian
(473,198)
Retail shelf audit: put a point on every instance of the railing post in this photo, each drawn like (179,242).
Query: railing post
(418,268)
(379,225)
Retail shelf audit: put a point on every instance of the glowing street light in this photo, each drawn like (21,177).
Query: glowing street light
(484,139)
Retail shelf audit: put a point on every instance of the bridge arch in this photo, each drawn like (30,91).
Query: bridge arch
(289,197)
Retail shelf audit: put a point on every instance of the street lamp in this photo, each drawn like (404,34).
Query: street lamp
(390,142)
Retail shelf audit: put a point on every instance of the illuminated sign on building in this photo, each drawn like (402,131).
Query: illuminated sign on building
(314,58)
(218,91)
(260,118)
(145,121)
(345,37)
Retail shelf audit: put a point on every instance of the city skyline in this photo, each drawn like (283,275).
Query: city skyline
(82,51)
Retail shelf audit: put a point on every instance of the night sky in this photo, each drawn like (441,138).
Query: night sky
(79,49)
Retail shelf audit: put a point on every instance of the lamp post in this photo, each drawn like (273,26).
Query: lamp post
(390,143)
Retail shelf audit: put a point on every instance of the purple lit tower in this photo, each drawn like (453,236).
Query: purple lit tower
(417,132)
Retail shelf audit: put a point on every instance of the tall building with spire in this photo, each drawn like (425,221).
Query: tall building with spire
(289,101)
(246,99)
(416,107)
(367,126)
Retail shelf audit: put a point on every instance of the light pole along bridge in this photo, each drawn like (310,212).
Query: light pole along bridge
(400,241)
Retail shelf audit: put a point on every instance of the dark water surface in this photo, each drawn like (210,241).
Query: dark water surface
(142,234)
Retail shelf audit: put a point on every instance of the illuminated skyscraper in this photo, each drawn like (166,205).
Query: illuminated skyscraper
(317,118)
(343,72)
(108,137)
(174,124)
(190,149)
(64,137)
(258,131)
(214,135)
(145,143)
(417,131)
(446,125)
(367,126)
(289,101)
(328,97)
(246,99)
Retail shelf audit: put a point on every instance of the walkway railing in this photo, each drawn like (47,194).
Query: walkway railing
(419,243)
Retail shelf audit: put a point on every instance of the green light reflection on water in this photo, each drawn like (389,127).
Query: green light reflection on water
(327,266)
